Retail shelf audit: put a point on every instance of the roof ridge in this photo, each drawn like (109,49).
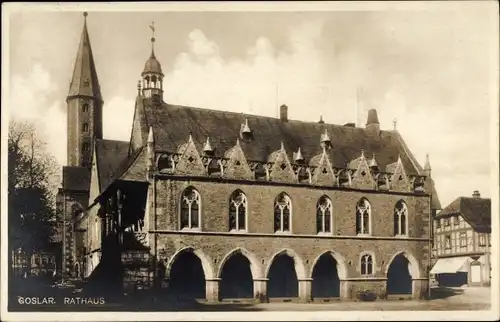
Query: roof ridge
(270,117)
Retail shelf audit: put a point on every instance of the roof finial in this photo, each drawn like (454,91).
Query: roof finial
(373,162)
(321,120)
(153,39)
(151,138)
(395,123)
(85,14)
(282,146)
(139,87)
(298,155)
(427,166)
(207,148)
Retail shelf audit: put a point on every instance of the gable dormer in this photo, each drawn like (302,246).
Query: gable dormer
(190,162)
(324,174)
(399,180)
(281,169)
(237,166)
(362,178)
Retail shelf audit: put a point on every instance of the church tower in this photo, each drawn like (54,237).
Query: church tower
(152,75)
(84,103)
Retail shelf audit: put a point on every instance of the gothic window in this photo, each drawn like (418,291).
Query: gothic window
(324,215)
(438,223)
(482,240)
(282,213)
(366,264)
(447,242)
(85,146)
(463,239)
(85,108)
(400,219)
(190,209)
(363,217)
(237,211)
(85,127)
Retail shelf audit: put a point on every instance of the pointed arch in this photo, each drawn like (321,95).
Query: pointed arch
(341,263)
(206,262)
(400,219)
(190,209)
(300,268)
(324,215)
(414,267)
(255,266)
(238,208)
(363,217)
(283,213)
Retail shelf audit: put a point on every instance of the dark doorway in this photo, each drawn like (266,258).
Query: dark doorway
(326,282)
(452,279)
(398,277)
(236,278)
(283,278)
(187,279)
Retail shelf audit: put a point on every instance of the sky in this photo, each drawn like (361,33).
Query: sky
(430,72)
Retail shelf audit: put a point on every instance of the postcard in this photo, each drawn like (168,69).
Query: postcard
(250,160)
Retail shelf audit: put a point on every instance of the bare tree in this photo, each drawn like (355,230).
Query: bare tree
(31,190)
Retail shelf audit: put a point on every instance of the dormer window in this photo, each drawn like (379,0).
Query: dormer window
(325,140)
(207,148)
(245,131)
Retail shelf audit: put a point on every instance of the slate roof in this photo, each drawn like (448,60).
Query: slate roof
(476,211)
(76,178)
(84,80)
(172,125)
(109,154)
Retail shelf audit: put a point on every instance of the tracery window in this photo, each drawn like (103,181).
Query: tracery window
(237,211)
(363,217)
(190,209)
(400,219)
(282,213)
(366,264)
(324,215)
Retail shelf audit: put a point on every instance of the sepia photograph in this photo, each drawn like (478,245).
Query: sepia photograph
(250,160)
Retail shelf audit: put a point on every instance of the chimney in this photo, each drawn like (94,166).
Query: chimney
(284,113)
(372,124)
(476,194)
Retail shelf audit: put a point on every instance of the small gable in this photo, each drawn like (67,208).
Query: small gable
(190,162)
(237,166)
(399,180)
(324,174)
(281,170)
(363,178)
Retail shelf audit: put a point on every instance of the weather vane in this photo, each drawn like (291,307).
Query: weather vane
(152,26)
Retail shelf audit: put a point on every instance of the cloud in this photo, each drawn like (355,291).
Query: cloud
(430,112)
(30,100)
(317,71)
(257,83)
(118,115)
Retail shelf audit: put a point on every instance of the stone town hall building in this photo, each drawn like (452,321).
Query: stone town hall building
(215,205)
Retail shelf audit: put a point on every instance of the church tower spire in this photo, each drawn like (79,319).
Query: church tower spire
(84,102)
(152,75)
